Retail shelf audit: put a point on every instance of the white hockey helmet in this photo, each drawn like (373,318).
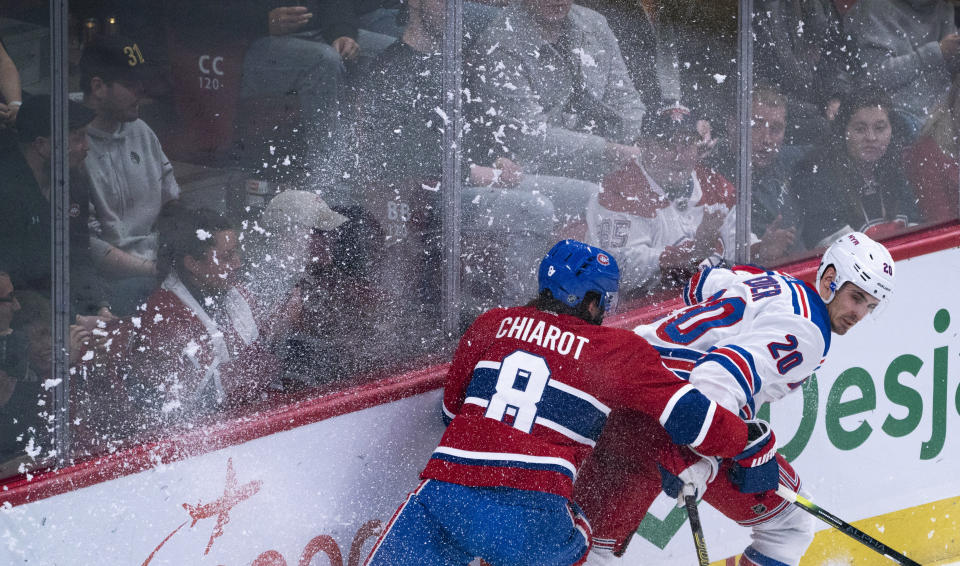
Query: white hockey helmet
(861,261)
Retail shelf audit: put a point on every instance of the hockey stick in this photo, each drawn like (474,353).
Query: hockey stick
(690,502)
(844,527)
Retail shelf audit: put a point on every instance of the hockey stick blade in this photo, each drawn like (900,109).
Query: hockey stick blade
(844,527)
(690,502)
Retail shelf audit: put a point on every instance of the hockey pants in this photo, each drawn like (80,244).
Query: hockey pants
(620,481)
(445,524)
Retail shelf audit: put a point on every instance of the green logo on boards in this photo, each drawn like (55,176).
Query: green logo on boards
(854,392)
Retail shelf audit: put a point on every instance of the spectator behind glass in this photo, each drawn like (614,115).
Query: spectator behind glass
(12,344)
(131,176)
(283,244)
(291,239)
(345,306)
(908,49)
(508,216)
(291,47)
(647,35)
(24,367)
(25,186)
(932,161)
(665,215)
(9,88)
(854,180)
(772,202)
(199,347)
(25,432)
(801,48)
(552,76)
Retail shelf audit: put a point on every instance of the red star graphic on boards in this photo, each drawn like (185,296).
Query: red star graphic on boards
(232,495)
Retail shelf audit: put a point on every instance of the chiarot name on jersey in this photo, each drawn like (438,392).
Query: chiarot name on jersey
(529,329)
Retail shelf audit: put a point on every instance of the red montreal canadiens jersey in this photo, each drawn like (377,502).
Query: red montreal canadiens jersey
(529,392)
(747,336)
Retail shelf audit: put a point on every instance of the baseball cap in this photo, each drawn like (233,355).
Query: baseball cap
(670,120)
(303,208)
(33,121)
(115,57)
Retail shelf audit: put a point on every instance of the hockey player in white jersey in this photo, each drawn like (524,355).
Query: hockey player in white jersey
(746,337)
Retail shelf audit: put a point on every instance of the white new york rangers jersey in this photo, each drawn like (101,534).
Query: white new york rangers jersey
(747,336)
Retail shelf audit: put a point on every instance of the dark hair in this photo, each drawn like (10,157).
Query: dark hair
(768,94)
(764,93)
(89,71)
(855,101)
(546,302)
(358,243)
(86,77)
(180,234)
(33,121)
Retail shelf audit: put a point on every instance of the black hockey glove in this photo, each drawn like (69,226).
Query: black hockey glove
(756,470)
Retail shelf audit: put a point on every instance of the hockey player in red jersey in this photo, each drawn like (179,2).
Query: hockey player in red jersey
(528,394)
(747,337)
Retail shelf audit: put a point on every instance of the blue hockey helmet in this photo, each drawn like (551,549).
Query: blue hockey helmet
(571,269)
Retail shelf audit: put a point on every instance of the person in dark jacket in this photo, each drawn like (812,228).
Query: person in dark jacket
(304,48)
(25,189)
(855,180)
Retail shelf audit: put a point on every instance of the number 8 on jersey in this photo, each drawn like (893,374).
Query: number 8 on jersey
(520,384)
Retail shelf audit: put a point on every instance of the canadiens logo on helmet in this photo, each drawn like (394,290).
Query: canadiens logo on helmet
(602,259)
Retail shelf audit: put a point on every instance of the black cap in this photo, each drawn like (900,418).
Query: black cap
(115,57)
(669,121)
(33,120)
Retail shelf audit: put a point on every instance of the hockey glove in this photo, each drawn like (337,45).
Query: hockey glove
(756,470)
(695,477)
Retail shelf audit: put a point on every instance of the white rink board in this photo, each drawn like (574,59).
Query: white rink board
(328,478)
(332,477)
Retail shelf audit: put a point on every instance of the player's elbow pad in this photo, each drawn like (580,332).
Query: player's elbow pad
(688,416)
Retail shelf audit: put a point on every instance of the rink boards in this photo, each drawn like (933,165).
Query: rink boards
(875,438)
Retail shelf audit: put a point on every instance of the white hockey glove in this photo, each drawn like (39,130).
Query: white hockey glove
(692,480)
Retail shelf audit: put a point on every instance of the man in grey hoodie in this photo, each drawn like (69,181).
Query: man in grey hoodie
(131,177)
(559,95)
(910,48)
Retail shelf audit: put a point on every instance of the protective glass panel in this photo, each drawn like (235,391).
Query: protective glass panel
(631,97)
(258,196)
(259,227)
(863,94)
(26,400)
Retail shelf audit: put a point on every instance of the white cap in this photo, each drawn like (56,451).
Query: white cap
(300,208)
(861,261)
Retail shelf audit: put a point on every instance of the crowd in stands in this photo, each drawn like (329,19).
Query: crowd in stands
(614,123)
